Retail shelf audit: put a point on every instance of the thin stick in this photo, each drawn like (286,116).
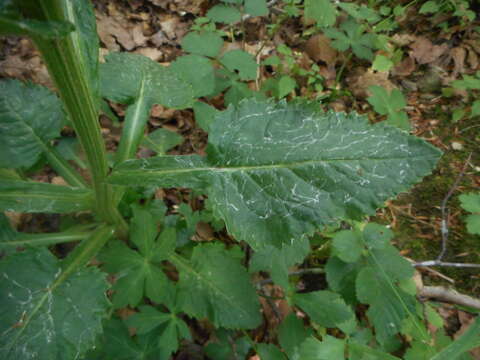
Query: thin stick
(444,294)
(445,212)
(445,264)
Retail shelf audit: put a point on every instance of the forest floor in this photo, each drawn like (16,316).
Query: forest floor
(429,52)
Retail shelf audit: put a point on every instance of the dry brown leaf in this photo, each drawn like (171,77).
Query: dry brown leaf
(152,53)
(137,33)
(204,231)
(405,67)
(403,39)
(359,84)
(110,31)
(424,52)
(319,49)
(458,55)
(14,66)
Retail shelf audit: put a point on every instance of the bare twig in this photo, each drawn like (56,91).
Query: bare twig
(445,264)
(444,294)
(445,211)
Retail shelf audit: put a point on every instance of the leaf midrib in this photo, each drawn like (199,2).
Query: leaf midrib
(146,172)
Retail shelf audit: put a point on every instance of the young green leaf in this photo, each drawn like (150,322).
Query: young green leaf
(352,35)
(224,14)
(330,348)
(227,347)
(198,71)
(341,277)
(391,104)
(429,7)
(116,343)
(382,63)
(377,285)
(469,340)
(161,140)
(204,43)
(139,271)
(269,352)
(471,203)
(362,352)
(46,315)
(214,285)
(204,114)
(242,62)
(277,261)
(324,307)
(173,327)
(24,196)
(256,7)
(347,245)
(291,334)
(31,116)
(278,171)
(322,11)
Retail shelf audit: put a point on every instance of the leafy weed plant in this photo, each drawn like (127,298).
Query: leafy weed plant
(275,173)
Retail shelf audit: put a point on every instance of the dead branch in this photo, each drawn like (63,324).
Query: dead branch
(443,294)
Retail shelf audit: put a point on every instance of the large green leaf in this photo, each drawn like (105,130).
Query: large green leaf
(124,78)
(278,171)
(45,314)
(30,116)
(24,196)
(214,285)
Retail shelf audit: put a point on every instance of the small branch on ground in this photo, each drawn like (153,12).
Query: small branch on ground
(445,264)
(443,294)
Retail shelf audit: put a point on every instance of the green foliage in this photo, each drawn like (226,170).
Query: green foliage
(352,35)
(276,174)
(138,271)
(390,104)
(276,186)
(214,285)
(38,302)
(322,11)
(471,203)
(32,116)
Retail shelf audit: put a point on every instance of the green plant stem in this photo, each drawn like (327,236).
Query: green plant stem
(340,72)
(45,239)
(64,169)
(70,71)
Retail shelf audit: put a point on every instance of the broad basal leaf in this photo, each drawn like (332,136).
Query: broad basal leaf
(45,316)
(139,272)
(269,352)
(322,11)
(214,285)
(24,196)
(161,140)
(362,352)
(276,171)
(126,77)
(30,116)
